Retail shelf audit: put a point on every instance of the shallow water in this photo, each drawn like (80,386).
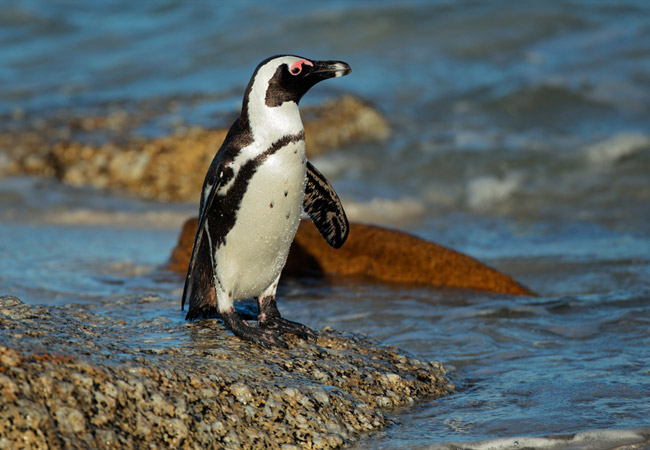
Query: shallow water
(521,136)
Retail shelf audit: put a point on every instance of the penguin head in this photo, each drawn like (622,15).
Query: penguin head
(289,77)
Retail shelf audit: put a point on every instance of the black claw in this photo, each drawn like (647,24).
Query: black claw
(286,326)
(265,337)
(269,319)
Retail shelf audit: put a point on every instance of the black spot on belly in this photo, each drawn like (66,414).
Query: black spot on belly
(221,210)
(286,193)
(288,215)
(271,204)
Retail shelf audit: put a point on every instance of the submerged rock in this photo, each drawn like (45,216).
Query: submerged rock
(165,168)
(376,253)
(72,378)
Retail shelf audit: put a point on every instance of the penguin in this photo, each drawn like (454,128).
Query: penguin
(253,195)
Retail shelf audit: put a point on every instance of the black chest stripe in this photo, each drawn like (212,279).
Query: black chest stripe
(221,214)
(222,209)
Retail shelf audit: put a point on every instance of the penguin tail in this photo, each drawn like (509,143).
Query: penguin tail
(202,304)
(199,288)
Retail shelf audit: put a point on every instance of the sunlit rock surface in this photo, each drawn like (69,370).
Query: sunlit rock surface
(72,377)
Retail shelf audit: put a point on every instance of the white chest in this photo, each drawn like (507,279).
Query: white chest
(257,246)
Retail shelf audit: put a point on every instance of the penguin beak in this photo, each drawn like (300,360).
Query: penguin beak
(330,69)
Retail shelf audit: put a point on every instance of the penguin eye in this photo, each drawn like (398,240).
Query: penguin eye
(296,68)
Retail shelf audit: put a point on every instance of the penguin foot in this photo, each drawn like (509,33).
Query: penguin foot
(267,338)
(269,318)
(286,326)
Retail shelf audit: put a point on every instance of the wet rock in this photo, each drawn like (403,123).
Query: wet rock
(377,253)
(89,380)
(166,168)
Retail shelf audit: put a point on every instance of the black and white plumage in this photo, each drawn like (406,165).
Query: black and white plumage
(252,198)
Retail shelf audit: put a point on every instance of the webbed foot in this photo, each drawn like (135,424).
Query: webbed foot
(269,318)
(286,326)
(267,338)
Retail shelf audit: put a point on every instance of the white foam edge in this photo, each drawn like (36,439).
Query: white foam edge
(586,440)
(616,147)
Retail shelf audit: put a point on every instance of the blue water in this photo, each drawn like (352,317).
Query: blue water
(520,135)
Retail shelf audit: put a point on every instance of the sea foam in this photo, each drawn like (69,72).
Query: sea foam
(616,148)
(586,440)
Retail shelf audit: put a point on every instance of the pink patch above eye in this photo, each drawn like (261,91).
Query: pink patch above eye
(296,67)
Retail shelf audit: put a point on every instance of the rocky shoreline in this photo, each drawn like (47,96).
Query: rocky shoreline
(131,372)
(73,377)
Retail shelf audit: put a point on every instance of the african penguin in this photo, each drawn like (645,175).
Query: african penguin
(253,194)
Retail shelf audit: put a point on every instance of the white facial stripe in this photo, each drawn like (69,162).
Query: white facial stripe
(270,124)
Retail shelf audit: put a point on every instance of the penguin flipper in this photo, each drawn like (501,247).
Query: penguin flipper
(199,288)
(324,208)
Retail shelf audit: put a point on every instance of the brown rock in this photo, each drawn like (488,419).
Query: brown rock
(377,253)
(341,121)
(166,168)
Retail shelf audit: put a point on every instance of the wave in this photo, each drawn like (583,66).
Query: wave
(616,148)
(404,211)
(486,192)
(586,440)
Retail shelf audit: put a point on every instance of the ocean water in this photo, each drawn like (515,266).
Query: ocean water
(521,136)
